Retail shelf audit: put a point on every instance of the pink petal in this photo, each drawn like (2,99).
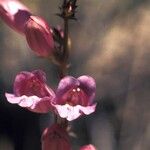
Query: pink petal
(40,75)
(32,83)
(14,13)
(88,85)
(33,103)
(88,147)
(73,112)
(66,84)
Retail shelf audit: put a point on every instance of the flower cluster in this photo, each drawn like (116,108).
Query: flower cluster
(73,96)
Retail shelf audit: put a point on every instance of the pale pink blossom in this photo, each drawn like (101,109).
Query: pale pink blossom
(55,138)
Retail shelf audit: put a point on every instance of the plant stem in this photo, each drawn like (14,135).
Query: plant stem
(65,55)
(64,67)
(65,52)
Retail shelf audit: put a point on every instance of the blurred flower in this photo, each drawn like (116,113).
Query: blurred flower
(31,92)
(55,138)
(14,13)
(74,97)
(39,36)
(88,147)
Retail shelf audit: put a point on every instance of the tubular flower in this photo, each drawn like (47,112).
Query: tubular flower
(31,92)
(74,97)
(39,37)
(88,147)
(55,138)
(14,13)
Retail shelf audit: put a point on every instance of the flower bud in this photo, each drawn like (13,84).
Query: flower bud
(55,138)
(14,14)
(88,147)
(39,36)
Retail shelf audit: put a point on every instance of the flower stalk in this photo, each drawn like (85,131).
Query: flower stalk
(73,97)
(63,67)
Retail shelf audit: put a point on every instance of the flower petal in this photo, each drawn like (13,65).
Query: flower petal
(88,85)
(33,103)
(73,112)
(14,13)
(32,83)
(66,84)
(88,147)
(40,75)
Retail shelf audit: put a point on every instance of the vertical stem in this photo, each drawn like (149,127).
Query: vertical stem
(64,66)
(65,55)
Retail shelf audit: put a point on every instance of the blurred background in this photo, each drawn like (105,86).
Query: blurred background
(111,42)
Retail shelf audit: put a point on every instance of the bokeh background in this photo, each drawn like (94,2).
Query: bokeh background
(111,42)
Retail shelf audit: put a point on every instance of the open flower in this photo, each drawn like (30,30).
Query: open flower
(14,13)
(39,36)
(74,97)
(31,92)
(55,138)
(88,147)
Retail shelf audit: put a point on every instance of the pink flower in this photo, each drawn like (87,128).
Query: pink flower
(74,97)
(14,13)
(55,138)
(31,92)
(39,37)
(88,147)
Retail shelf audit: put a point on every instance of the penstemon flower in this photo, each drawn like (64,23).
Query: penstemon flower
(73,98)
(39,36)
(31,92)
(88,147)
(14,13)
(55,138)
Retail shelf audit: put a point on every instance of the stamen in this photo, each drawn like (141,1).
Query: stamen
(78,89)
(74,90)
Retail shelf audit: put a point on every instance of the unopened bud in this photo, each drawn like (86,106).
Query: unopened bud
(14,14)
(55,138)
(88,147)
(39,37)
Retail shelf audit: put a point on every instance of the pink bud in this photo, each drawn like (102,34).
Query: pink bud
(14,13)
(39,37)
(88,147)
(55,138)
